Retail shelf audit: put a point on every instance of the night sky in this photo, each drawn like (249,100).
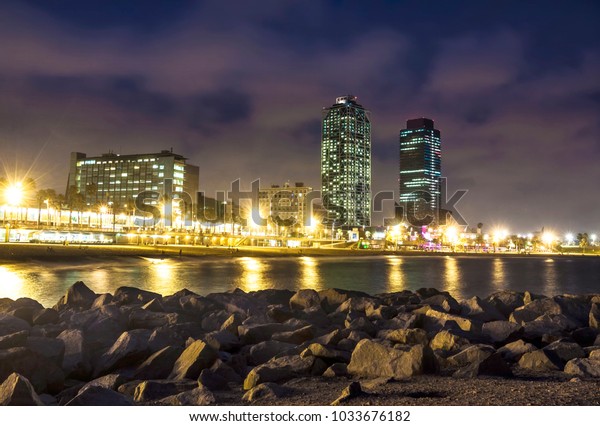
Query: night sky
(238,87)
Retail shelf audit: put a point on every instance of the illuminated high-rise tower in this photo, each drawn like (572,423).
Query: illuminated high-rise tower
(346,163)
(420,171)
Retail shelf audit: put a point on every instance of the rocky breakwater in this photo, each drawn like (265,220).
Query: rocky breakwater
(135,347)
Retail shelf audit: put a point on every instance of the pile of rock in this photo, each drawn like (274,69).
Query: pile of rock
(138,347)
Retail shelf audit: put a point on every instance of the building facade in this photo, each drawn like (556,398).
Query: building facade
(346,163)
(285,206)
(420,171)
(118,179)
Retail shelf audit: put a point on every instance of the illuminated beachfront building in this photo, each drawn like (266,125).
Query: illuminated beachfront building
(285,207)
(346,163)
(420,171)
(118,179)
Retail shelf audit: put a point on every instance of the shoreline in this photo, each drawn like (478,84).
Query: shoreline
(19,252)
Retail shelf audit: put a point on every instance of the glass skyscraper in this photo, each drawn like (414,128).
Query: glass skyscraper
(346,163)
(420,171)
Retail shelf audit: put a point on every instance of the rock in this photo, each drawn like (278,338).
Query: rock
(594,316)
(358,305)
(99,396)
(266,391)
(480,310)
(10,324)
(296,337)
(470,355)
(448,341)
(150,320)
(196,357)
(225,371)
(560,352)
(16,390)
(110,381)
(130,347)
(77,296)
(194,397)
(411,336)
(444,301)
(76,362)
(594,354)
(493,365)
(501,332)
(425,292)
(514,350)
(584,336)
(465,324)
(332,298)
(586,367)
(537,361)
(372,359)
(151,390)
(576,308)
(354,390)
(46,347)
(374,384)
(198,304)
(556,325)
(533,310)
(361,324)
(264,351)
(279,369)
(129,295)
(45,316)
(328,354)
(506,301)
(303,299)
(232,323)
(222,341)
(13,340)
(238,302)
(158,365)
(155,305)
(337,369)
(381,312)
(165,336)
(212,381)
(102,300)
(273,296)
(256,333)
(331,338)
(43,374)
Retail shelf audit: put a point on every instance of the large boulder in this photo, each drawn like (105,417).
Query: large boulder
(411,336)
(16,390)
(501,332)
(306,298)
(266,391)
(296,337)
(372,359)
(448,341)
(222,341)
(279,369)
(443,318)
(47,347)
(506,301)
(256,333)
(537,361)
(150,390)
(574,307)
(594,316)
(78,296)
(13,340)
(10,324)
(131,347)
(264,351)
(331,298)
(76,359)
(480,310)
(196,357)
(556,325)
(444,301)
(45,316)
(493,365)
(238,302)
(535,309)
(99,396)
(130,295)
(158,365)
(142,318)
(330,355)
(561,351)
(195,397)
(44,375)
(514,350)
(587,367)
(470,355)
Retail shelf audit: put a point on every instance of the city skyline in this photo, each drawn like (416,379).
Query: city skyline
(241,96)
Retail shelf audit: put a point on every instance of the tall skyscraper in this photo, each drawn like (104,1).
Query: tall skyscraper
(346,163)
(420,171)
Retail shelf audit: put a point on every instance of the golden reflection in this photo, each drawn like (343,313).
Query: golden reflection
(550,277)
(452,275)
(499,274)
(310,277)
(11,283)
(101,282)
(252,273)
(395,274)
(162,277)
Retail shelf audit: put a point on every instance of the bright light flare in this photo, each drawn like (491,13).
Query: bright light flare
(548,237)
(13,194)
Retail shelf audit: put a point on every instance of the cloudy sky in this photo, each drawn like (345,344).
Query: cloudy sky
(239,86)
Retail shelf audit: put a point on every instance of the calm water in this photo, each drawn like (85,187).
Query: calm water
(461,276)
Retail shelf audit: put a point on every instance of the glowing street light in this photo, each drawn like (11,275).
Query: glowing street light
(569,238)
(13,194)
(548,238)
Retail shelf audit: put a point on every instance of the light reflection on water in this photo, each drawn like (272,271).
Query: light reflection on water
(461,276)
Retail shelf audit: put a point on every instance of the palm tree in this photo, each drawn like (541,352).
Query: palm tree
(44,196)
(58,203)
(583,240)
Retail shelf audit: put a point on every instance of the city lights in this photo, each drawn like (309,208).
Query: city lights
(13,194)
